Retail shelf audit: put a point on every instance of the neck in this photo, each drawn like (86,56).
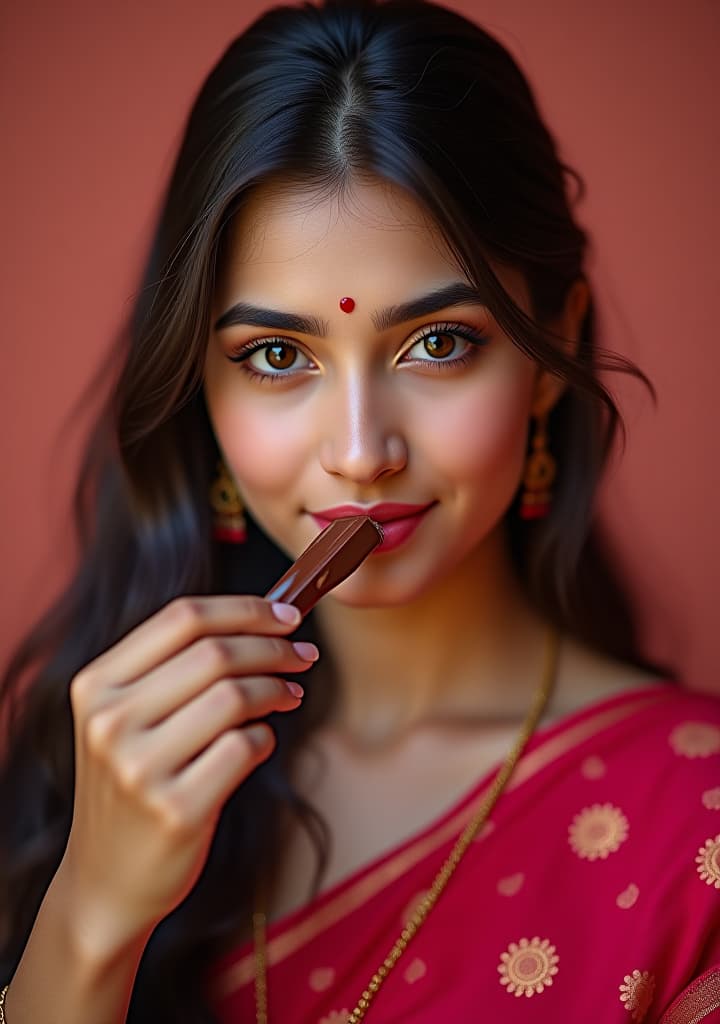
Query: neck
(468,649)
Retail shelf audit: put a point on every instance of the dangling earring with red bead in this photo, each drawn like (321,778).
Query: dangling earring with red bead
(540,472)
(228,520)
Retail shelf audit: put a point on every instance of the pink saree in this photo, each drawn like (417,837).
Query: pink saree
(592,894)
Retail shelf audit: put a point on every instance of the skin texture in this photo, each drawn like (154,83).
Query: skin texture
(367,425)
(362,415)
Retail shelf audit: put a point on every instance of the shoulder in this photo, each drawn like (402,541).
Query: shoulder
(689,720)
(660,746)
(646,768)
(679,731)
(657,742)
(587,677)
(672,726)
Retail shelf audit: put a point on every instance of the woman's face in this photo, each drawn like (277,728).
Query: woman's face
(426,407)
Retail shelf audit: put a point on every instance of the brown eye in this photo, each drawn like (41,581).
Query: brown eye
(280,357)
(271,360)
(445,346)
(439,345)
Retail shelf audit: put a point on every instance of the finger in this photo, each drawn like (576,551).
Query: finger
(178,681)
(206,783)
(179,624)
(225,705)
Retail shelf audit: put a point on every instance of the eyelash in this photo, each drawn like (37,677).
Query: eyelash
(475,338)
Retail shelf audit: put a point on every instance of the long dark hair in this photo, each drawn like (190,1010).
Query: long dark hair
(406,91)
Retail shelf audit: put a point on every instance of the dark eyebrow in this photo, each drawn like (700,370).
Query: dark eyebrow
(456,294)
(257,316)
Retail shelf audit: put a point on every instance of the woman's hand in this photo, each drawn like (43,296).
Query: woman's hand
(165,730)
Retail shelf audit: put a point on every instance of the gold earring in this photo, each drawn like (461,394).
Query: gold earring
(228,521)
(540,472)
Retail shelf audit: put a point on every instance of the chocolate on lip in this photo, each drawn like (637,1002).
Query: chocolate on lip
(328,560)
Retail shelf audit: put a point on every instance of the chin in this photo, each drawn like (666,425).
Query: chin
(392,591)
(368,600)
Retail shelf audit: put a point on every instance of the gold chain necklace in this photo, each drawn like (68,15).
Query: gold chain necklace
(445,873)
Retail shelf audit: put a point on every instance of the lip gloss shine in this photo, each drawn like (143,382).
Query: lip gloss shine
(398,531)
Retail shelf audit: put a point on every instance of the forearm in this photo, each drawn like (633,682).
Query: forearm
(71,972)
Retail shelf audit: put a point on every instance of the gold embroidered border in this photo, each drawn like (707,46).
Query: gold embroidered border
(699,999)
(293,938)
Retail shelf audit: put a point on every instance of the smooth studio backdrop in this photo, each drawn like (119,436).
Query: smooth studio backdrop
(92,101)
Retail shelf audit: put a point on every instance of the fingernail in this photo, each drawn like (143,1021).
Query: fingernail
(308,652)
(286,613)
(295,688)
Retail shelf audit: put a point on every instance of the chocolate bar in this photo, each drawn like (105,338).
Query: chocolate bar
(328,560)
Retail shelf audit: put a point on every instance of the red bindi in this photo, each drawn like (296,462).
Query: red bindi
(347,305)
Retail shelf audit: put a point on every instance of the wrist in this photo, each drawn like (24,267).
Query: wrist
(98,937)
(80,961)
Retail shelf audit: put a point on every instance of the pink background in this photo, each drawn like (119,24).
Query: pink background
(93,98)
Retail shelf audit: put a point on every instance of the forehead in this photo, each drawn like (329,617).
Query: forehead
(371,226)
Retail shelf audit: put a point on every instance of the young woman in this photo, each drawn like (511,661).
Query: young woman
(366,293)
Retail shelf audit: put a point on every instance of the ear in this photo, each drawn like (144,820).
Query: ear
(548,387)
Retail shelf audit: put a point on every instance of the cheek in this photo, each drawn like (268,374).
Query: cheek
(262,442)
(482,437)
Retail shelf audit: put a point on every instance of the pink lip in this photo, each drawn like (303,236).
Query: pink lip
(382,513)
(399,522)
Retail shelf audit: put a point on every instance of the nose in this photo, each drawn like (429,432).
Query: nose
(361,441)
